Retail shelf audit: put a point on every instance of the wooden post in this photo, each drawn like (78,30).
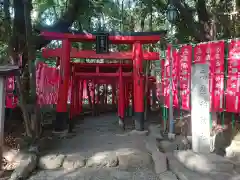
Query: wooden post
(62,106)
(81,87)
(77,103)
(106,94)
(98,99)
(138,86)
(89,95)
(93,97)
(121,100)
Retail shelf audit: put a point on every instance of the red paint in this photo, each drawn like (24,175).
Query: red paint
(104,80)
(102,75)
(121,104)
(101,65)
(76,96)
(217,75)
(80,84)
(185,63)
(77,101)
(127,97)
(11,101)
(91,38)
(75,53)
(97,95)
(138,80)
(113,93)
(73,95)
(232,90)
(64,77)
(89,95)
(93,92)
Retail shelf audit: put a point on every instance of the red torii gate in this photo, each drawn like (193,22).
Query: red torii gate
(95,73)
(137,55)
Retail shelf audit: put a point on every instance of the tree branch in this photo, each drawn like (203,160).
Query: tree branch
(188,20)
(75,8)
(204,19)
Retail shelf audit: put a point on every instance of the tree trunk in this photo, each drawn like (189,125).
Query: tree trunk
(147,69)
(35,121)
(16,46)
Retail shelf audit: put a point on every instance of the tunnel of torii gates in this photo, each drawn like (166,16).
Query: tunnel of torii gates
(129,77)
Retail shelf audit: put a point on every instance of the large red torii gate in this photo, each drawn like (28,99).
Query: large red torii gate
(137,55)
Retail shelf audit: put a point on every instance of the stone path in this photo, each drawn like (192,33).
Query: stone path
(100,140)
(102,151)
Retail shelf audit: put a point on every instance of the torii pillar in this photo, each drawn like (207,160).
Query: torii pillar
(62,117)
(138,86)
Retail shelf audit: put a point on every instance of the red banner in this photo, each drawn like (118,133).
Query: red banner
(232,94)
(175,74)
(232,91)
(47,84)
(217,75)
(11,101)
(214,54)
(10,84)
(200,52)
(165,84)
(185,62)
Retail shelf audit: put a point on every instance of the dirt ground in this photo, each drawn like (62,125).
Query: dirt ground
(96,135)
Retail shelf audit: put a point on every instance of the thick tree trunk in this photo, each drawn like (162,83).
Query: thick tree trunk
(17,46)
(147,69)
(35,121)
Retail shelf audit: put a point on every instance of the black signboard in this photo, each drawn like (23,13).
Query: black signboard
(102,43)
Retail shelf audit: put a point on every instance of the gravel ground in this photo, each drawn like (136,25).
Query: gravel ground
(99,134)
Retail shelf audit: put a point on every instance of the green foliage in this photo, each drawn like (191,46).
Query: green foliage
(133,15)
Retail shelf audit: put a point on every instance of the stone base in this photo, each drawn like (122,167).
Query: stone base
(61,121)
(171,136)
(71,125)
(121,123)
(139,121)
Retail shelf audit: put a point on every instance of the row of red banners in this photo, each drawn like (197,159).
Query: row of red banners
(47,79)
(212,53)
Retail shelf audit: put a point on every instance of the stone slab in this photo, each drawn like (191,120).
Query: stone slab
(160,162)
(168,175)
(182,172)
(204,163)
(72,162)
(101,159)
(133,158)
(51,161)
